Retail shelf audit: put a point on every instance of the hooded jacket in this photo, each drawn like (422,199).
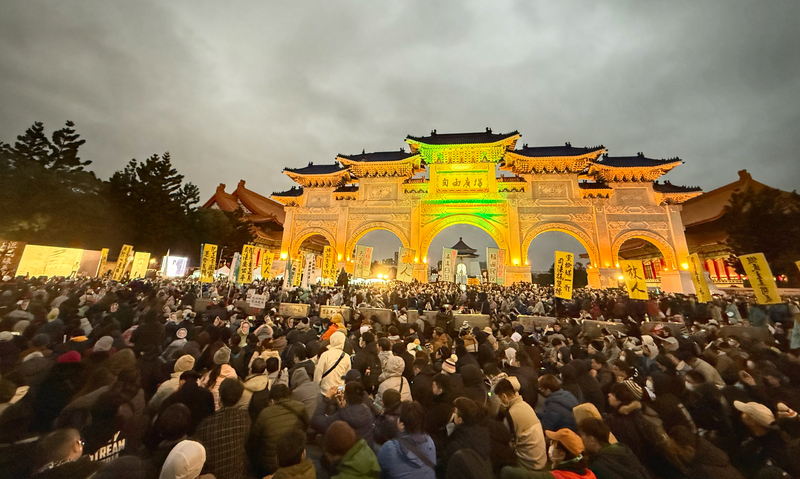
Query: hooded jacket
(394,380)
(304,391)
(225,372)
(398,462)
(327,361)
(474,387)
(359,463)
(557,412)
(252,385)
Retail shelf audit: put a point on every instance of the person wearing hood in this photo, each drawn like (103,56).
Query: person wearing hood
(590,387)
(367,361)
(165,389)
(349,407)
(346,456)
(254,385)
(702,459)
(222,370)
(412,454)
(569,383)
(421,387)
(474,387)
(558,405)
(609,459)
(337,325)
(332,364)
(394,380)
(304,390)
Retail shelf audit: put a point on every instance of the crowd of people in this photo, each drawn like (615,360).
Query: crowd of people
(175,379)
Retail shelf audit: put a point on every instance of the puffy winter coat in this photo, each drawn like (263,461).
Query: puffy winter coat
(395,380)
(304,391)
(273,422)
(327,361)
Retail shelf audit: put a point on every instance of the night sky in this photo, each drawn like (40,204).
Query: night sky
(242,89)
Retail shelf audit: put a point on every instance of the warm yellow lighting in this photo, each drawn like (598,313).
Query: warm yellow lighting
(460,167)
(380,276)
(685,265)
(621,278)
(526,262)
(339,256)
(284,255)
(617,265)
(416,259)
(425,260)
(608,265)
(516,262)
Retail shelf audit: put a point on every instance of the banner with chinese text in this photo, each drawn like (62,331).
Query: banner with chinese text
(266,264)
(122,262)
(501,266)
(761,279)
(491,264)
(208,263)
(699,278)
(405,265)
(448,264)
(245,275)
(328,265)
(103,261)
(297,272)
(236,261)
(309,269)
(363,262)
(633,275)
(564,268)
(140,263)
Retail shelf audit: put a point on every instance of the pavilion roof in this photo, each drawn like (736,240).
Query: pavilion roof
(398,163)
(631,168)
(258,208)
(462,248)
(483,137)
(594,189)
(292,192)
(549,159)
(319,175)
(379,156)
(710,205)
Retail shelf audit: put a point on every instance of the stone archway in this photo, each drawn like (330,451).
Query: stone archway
(360,231)
(575,232)
(309,232)
(498,235)
(660,242)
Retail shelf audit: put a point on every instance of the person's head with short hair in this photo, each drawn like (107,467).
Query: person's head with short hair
(598,361)
(354,392)
(398,349)
(230,392)
(694,378)
(368,337)
(440,384)
(467,412)
(594,433)
(292,448)
(278,392)
(419,365)
(505,391)
(273,364)
(412,418)
(621,394)
(384,344)
(258,366)
(174,423)
(548,384)
(60,445)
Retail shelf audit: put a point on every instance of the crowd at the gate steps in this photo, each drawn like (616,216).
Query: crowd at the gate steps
(175,379)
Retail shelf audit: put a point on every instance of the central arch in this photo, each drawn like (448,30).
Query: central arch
(497,234)
(662,244)
(583,238)
(309,232)
(359,232)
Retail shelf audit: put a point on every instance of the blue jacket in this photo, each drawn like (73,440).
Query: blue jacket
(557,412)
(397,462)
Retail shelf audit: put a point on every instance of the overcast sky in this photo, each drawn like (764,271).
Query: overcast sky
(242,89)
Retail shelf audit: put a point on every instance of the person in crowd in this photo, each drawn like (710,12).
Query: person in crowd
(59,454)
(199,400)
(304,391)
(185,461)
(165,389)
(345,456)
(522,421)
(224,434)
(566,455)
(558,405)
(282,415)
(346,405)
(700,458)
(292,461)
(394,380)
(468,433)
(332,364)
(607,459)
(412,454)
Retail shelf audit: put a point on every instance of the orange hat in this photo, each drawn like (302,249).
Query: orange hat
(571,441)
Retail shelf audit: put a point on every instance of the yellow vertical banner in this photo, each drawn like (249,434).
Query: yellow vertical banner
(103,261)
(332,266)
(633,274)
(405,265)
(328,266)
(122,262)
(697,272)
(266,264)
(246,266)
(208,263)
(139,267)
(564,269)
(761,279)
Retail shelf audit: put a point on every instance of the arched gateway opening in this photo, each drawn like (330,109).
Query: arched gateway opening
(655,254)
(385,250)
(541,257)
(471,243)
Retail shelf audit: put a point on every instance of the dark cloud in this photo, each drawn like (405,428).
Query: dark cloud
(241,89)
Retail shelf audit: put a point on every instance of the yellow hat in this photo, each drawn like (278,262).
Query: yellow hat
(336,318)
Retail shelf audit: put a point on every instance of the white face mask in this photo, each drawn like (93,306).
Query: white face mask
(690,386)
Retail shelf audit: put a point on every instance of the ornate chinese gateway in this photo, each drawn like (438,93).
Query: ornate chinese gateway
(514,194)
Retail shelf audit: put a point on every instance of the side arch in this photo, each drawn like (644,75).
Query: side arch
(577,233)
(360,231)
(498,235)
(660,242)
(306,233)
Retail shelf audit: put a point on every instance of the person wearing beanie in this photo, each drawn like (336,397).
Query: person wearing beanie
(449,365)
(184,363)
(346,456)
(332,365)
(221,371)
(394,380)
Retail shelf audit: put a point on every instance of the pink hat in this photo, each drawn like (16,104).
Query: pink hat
(70,357)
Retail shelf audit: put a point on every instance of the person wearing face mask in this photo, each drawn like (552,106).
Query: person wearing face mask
(529,443)
(566,454)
